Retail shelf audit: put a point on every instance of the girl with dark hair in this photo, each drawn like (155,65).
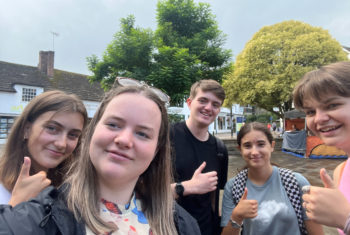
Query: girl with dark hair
(120,184)
(262,198)
(41,145)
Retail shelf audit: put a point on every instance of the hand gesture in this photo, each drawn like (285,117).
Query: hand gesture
(201,183)
(326,205)
(245,208)
(28,186)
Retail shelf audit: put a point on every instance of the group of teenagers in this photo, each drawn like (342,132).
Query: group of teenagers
(128,171)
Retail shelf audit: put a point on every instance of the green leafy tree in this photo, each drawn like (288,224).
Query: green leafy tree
(190,47)
(271,63)
(129,54)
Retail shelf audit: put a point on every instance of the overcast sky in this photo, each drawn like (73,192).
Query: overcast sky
(85,27)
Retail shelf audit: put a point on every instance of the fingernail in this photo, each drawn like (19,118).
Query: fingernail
(306,189)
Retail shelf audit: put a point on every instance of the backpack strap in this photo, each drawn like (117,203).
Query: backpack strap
(292,189)
(220,147)
(290,185)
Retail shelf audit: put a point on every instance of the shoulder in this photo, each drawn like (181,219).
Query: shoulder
(301,179)
(177,129)
(185,223)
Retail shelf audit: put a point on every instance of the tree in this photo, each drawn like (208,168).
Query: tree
(129,54)
(189,47)
(271,63)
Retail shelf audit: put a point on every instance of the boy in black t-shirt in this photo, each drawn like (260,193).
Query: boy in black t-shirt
(199,172)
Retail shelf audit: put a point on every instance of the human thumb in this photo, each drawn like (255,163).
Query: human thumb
(200,168)
(25,168)
(245,194)
(326,179)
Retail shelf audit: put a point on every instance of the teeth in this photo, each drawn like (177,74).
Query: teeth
(328,129)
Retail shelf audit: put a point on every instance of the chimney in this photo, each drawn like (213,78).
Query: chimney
(46,59)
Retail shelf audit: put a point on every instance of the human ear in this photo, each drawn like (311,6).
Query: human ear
(189,101)
(27,127)
(273,145)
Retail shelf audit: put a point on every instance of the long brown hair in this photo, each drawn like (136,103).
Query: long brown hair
(16,146)
(152,187)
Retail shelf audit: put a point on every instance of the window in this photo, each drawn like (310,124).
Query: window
(5,126)
(28,94)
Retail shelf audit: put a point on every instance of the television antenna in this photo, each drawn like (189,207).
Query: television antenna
(54,34)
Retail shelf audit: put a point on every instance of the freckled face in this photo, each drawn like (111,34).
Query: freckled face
(125,139)
(52,137)
(329,119)
(256,149)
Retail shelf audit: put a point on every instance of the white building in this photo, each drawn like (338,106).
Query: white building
(20,83)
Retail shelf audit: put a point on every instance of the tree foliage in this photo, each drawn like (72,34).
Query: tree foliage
(187,46)
(271,63)
(190,47)
(129,54)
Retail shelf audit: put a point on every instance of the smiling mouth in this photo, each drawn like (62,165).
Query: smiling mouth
(327,129)
(56,152)
(118,155)
(205,114)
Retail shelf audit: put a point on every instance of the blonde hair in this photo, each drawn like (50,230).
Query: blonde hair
(152,188)
(16,146)
(330,79)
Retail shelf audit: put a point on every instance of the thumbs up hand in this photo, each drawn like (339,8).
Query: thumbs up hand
(245,208)
(28,186)
(327,206)
(201,183)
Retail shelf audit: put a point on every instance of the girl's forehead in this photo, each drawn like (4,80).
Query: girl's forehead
(254,135)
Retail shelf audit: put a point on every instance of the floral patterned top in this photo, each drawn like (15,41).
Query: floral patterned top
(129,218)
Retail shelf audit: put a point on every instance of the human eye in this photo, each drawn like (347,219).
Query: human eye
(333,105)
(309,112)
(143,134)
(216,105)
(202,100)
(74,135)
(247,145)
(113,125)
(52,129)
(261,144)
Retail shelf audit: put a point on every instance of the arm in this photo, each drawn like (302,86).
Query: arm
(200,183)
(313,228)
(23,218)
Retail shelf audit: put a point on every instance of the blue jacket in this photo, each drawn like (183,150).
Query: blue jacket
(48,214)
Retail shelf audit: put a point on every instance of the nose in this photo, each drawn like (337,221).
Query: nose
(208,105)
(254,150)
(124,139)
(61,142)
(320,116)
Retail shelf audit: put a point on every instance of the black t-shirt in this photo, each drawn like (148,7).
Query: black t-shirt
(188,154)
